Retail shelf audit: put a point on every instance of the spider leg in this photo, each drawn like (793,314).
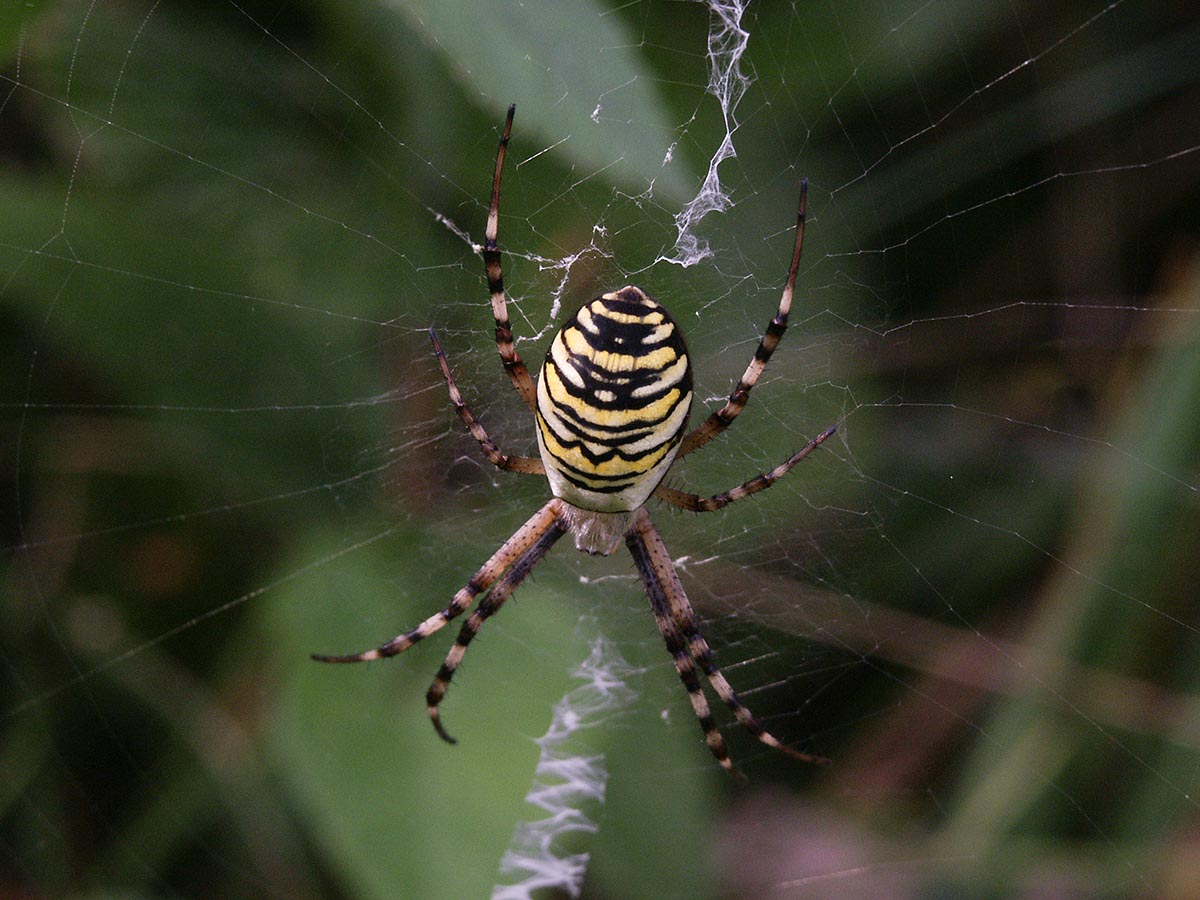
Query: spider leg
(723,417)
(654,562)
(649,568)
(524,464)
(544,521)
(696,503)
(488,606)
(513,364)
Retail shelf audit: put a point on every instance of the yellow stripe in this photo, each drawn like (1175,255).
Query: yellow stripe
(584,318)
(598,308)
(577,344)
(562,361)
(573,457)
(670,376)
(650,413)
(659,334)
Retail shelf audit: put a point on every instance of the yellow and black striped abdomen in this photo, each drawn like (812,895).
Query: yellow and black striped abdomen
(612,402)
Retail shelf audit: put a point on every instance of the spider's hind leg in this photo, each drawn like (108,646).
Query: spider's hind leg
(488,606)
(647,550)
(702,653)
(678,624)
(511,552)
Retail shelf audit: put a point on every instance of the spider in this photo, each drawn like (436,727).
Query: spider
(611,406)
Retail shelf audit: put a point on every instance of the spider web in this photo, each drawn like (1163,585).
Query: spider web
(228,227)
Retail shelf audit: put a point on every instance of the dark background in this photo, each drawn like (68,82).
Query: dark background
(225,445)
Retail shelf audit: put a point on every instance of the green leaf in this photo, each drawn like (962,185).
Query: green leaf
(601,108)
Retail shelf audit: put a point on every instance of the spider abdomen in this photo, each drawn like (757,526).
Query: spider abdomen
(612,402)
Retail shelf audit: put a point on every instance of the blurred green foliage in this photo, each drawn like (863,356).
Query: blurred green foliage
(225,444)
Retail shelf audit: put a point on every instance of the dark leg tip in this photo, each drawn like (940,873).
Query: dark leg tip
(439,728)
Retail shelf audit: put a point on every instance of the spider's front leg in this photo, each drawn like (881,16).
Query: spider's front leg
(696,503)
(723,417)
(513,364)
(524,464)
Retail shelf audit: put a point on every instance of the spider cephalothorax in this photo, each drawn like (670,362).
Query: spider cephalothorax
(611,406)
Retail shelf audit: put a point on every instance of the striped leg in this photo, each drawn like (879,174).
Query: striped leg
(723,417)
(525,464)
(655,563)
(701,652)
(643,557)
(685,618)
(696,503)
(513,364)
(545,520)
(488,606)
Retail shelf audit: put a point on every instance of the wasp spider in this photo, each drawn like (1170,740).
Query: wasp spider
(611,406)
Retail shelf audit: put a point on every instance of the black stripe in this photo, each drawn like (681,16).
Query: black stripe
(623,399)
(576,440)
(627,303)
(597,378)
(580,430)
(598,488)
(771,339)
(626,477)
(628,336)
(614,451)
